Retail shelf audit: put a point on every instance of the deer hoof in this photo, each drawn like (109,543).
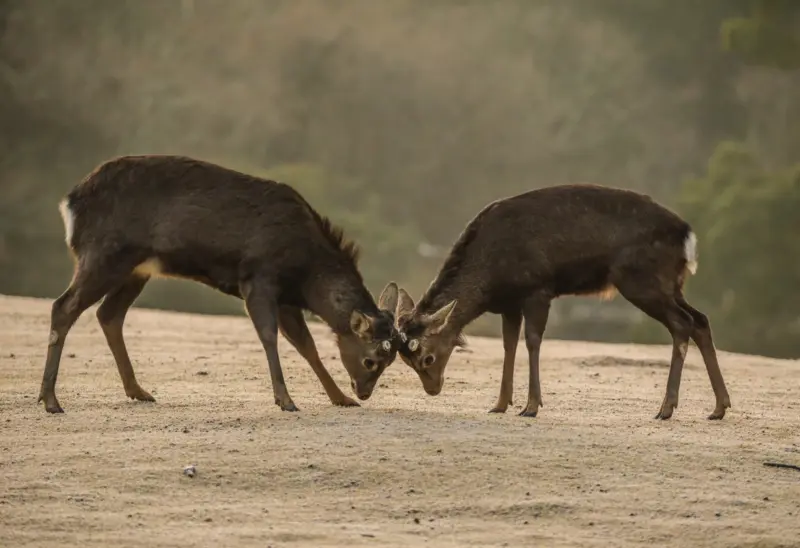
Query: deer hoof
(141,395)
(51,404)
(345,401)
(717,414)
(719,410)
(288,406)
(664,414)
(497,409)
(529,413)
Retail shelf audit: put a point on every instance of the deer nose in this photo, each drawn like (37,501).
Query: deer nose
(363,394)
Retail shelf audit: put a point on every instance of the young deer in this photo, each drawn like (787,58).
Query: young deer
(141,216)
(520,253)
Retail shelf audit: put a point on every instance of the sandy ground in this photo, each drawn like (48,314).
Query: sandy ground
(406,469)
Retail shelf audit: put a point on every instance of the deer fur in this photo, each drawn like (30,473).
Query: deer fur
(139,217)
(520,253)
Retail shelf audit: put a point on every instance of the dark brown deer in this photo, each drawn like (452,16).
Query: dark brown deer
(520,253)
(141,216)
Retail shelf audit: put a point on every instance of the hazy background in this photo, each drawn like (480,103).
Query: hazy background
(400,119)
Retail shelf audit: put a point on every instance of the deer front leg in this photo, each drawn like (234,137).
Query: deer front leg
(535,310)
(512,323)
(294,328)
(262,306)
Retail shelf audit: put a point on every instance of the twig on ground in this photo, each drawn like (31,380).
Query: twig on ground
(783,465)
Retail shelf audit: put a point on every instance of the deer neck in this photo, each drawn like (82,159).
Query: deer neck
(334,298)
(470,299)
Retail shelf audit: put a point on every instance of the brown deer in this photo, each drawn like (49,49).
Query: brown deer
(520,253)
(141,216)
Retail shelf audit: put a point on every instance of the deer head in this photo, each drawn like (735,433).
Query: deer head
(426,340)
(371,344)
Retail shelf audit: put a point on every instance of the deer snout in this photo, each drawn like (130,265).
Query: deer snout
(362,392)
(431,384)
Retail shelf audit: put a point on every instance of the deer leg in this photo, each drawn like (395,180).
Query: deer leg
(262,307)
(702,338)
(92,280)
(65,311)
(512,323)
(535,311)
(293,327)
(680,324)
(111,315)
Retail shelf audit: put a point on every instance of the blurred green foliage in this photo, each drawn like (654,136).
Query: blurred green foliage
(748,219)
(768,36)
(401,119)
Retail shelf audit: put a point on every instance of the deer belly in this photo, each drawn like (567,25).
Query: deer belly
(220,278)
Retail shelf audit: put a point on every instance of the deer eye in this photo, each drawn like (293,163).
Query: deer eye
(369,364)
(429,359)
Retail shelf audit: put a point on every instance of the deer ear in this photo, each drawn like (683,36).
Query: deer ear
(360,323)
(388,299)
(438,320)
(405,304)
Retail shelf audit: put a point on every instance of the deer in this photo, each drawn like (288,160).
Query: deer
(520,253)
(138,217)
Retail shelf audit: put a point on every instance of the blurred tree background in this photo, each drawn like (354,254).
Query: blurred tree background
(400,119)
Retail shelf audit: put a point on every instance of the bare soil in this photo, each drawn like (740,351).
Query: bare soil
(406,469)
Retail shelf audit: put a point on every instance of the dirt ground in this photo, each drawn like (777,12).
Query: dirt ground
(405,469)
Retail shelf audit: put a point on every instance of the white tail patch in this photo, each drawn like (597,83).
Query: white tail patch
(69,220)
(690,252)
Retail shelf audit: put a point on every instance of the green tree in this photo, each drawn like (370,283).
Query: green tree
(748,224)
(680,41)
(768,36)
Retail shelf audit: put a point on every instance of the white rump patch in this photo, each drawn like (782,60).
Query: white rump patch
(69,220)
(690,252)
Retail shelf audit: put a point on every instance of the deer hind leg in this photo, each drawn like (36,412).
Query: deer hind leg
(92,280)
(705,343)
(294,328)
(646,293)
(111,315)
(512,324)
